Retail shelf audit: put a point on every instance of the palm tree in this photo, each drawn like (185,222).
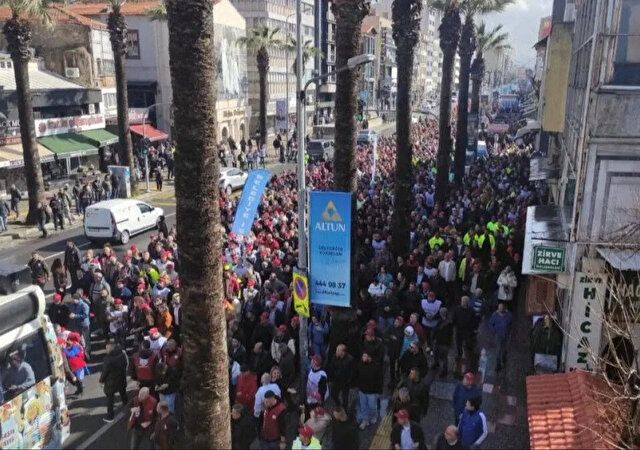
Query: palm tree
(449,37)
(205,376)
(466,48)
(309,50)
(17,32)
(486,40)
(348,15)
(117,26)
(406,25)
(261,40)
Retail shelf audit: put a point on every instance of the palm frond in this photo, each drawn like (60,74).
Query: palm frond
(491,39)
(38,10)
(157,13)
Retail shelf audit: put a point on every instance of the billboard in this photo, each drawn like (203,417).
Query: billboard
(330,248)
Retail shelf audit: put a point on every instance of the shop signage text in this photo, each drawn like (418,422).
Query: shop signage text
(62,125)
(549,259)
(233,113)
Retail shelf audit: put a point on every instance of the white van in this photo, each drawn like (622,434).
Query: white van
(118,220)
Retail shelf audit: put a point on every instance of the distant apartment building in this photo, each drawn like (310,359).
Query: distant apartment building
(326,94)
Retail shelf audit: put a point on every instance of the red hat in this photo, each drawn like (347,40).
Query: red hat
(153,330)
(57,297)
(60,341)
(319,410)
(117,301)
(369,332)
(402,414)
(74,337)
(142,286)
(317,360)
(282,328)
(306,431)
(134,248)
(470,377)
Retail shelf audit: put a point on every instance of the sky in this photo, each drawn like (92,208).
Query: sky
(521,20)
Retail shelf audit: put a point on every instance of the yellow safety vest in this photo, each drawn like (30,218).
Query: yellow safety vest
(435,241)
(462,270)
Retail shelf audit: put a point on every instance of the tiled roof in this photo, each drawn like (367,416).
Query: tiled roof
(60,14)
(131,8)
(564,412)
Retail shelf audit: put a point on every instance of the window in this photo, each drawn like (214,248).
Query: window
(133,44)
(24,364)
(106,67)
(144,208)
(625,67)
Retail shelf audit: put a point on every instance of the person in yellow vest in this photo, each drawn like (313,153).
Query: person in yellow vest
(464,263)
(305,440)
(469,237)
(436,240)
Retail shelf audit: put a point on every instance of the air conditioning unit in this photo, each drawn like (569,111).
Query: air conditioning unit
(72,72)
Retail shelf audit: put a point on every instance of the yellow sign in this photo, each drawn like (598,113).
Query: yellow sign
(301,293)
(331,214)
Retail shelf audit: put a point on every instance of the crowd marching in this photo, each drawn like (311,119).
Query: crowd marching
(417,315)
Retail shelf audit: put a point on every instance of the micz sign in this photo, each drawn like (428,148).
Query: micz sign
(548,259)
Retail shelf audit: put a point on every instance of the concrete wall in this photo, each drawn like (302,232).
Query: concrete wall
(556,78)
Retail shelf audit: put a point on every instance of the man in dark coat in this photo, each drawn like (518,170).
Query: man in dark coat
(243,428)
(72,261)
(114,377)
(405,422)
(340,371)
(344,430)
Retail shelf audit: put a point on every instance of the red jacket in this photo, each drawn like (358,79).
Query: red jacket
(147,412)
(144,365)
(75,356)
(272,424)
(246,389)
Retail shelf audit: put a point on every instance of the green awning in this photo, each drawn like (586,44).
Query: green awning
(70,145)
(101,137)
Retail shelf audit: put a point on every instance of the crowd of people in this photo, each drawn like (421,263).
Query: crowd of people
(415,314)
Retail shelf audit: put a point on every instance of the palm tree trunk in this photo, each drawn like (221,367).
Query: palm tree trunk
(477,74)
(205,377)
(263,70)
(18,35)
(449,37)
(467,45)
(348,15)
(405,30)
(118,35)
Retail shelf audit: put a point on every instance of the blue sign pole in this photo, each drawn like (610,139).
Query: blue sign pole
(250,200)
(330,248)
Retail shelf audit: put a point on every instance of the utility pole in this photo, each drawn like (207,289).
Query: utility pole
(302,207)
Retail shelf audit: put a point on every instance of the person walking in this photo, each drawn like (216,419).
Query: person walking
(79,321)
(340,371)
(165,429)
(500,325)
(306,440)
(344,430)
(65,201)
(42,217)
(473,424)
(5,210)
(72,262)
(243,428)
(273,423)
(39,270)
(114,377)
(407,434)
(464,390)
(56,212)
(448,440)
(15,198)
(369,377)
(142,418)
(158,177)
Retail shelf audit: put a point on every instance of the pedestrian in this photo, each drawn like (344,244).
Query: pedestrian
(65,201)
(442,338)
(59,276)
(500,325)
(473,424)
(106,187)
(158,177)
(394,338)
(167,383)
(369,380)
(340,372)
(317,383)
(262,154)
(142,418)
(306,440)
(79,321)
(418,391)
(15,199)
(243,428)
(5,210)
(143,364)
(344,430)
(57,311)
(114,377)
(507,283)
(77,363)
(465,324)
(56,212)
(165,429)
(463,391)
(448,440)
(266,385)
(407,434)
(42,218)
(273,423)
(39,270)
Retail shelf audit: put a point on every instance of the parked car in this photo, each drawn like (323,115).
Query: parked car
(320,149)
(232,179)
(117,220)
(366,137)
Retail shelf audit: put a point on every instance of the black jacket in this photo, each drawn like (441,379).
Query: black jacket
(442,444)
(465,321)
(394,338)
(345,434)
(58,313)
(114,371)
(368,377)
(417,435)
(408,361)
(243,431)
(443,333)
(340,370)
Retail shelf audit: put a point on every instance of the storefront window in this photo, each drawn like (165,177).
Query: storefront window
(133,45)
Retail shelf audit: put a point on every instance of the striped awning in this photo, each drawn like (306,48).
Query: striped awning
(11,155)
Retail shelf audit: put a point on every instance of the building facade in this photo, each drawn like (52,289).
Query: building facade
(593,162)
(327,87)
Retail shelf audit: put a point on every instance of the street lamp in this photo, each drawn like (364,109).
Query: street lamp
(352,63)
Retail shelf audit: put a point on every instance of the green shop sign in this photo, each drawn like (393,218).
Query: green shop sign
(548,259)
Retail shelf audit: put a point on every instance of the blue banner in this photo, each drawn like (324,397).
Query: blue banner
(250,200)
(330,248)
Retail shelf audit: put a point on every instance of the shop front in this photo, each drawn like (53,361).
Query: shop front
(12,164)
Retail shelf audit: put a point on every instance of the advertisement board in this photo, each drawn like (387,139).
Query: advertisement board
(250,199)
(330,248)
